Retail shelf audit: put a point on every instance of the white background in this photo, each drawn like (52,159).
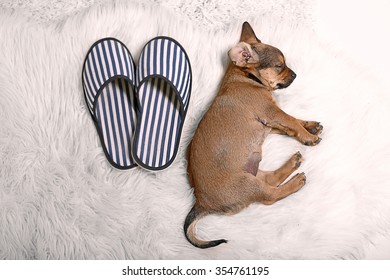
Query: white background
(361,28)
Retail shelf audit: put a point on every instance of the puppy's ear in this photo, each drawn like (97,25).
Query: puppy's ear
(242,55)
(248,35)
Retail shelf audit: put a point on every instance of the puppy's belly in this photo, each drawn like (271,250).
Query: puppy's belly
(252,164)
(236,148)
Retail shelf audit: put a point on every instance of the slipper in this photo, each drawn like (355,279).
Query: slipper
(164,82)
(108,81)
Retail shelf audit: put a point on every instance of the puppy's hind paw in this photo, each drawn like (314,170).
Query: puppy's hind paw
(296,160)
(298,181)
(301,179)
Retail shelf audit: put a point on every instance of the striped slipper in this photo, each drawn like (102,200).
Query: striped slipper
(108,81)
(164,88)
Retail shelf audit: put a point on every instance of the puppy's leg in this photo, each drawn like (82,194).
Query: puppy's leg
(274,194)
(277,177)
(283,123)
(313,127)
(260,191)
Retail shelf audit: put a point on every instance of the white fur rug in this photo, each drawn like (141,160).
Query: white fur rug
(60,199)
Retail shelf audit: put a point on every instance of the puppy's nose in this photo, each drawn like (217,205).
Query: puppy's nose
(293,75)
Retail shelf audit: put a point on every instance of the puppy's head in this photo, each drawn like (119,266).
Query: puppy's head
(263,61)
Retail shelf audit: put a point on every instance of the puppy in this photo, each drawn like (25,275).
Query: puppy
(225,152)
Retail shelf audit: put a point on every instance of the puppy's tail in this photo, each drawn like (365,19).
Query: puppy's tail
(189,230)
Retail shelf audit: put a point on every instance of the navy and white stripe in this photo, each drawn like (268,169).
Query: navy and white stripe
(108,80)
(164,82)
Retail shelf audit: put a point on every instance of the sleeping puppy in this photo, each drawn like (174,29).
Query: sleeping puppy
(225,152)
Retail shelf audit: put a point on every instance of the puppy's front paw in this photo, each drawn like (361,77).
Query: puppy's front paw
(312,142)
(313,127)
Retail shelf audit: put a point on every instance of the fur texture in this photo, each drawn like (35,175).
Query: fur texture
(60,199)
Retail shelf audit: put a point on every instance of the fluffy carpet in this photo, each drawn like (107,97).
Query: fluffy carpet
(60,199)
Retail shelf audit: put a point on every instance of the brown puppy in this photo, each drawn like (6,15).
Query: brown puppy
(224,155)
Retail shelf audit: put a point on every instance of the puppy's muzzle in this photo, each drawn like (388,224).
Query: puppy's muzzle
(288,81)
